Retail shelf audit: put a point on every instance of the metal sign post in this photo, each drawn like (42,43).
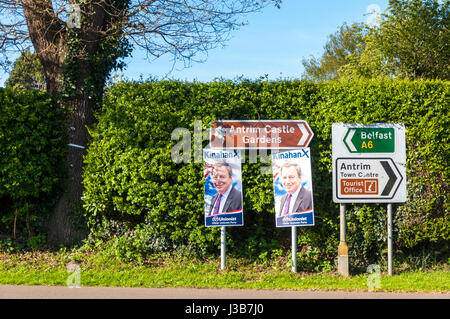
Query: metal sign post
(294,249)
(389,238)
(342,248)
(222,247)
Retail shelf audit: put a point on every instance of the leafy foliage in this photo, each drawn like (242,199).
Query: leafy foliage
(136,196)
(31,149)
(348,40)
(411,42)
(85,71)
(414,37)
(27,73)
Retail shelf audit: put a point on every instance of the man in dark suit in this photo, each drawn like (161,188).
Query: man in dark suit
(228,198)
(298,199)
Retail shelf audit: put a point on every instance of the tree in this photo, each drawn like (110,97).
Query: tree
(368,62)
(411,41)
(27,73)
(80,42)
(414,37)
(344,42)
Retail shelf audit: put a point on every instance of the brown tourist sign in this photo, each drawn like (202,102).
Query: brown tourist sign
(261,134)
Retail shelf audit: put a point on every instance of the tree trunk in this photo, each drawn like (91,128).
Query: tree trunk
(49,38)
(62,224)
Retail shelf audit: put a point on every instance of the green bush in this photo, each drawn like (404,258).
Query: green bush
(134,191)
(31,150)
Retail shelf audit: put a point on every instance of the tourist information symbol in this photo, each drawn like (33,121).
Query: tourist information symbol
(369,163)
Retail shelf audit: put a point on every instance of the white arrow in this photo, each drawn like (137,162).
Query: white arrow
(305,134)
(348,140)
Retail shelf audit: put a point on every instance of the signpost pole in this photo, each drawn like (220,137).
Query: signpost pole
(343,248)
(342,219)
(389,237)
(222,247)
(294,249)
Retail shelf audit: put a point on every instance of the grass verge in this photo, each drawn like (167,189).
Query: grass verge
(96,269)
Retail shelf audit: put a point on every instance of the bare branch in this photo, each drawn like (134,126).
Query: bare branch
(184,28)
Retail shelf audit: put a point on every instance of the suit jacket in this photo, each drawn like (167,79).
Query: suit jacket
(302,203)
(233,202)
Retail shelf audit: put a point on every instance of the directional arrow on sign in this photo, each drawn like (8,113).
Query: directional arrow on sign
(305,133)
(348,140)
(392,178)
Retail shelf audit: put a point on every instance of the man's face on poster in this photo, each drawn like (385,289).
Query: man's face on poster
(221,178)
(290,179)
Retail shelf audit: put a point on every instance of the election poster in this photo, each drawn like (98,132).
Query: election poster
(223,188)
(292,183)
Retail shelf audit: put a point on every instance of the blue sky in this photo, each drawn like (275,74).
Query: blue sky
(273,43)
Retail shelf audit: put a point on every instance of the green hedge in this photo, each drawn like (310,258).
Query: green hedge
(31,150)
(139,196)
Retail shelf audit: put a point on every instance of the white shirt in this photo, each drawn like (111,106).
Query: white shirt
(292,203)
(222,201)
